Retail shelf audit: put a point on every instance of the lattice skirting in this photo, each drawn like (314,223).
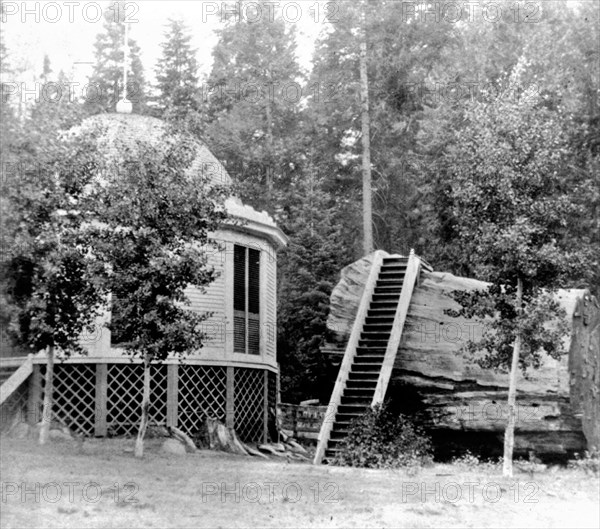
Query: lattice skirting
(105,399)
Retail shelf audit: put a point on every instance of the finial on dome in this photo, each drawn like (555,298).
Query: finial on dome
(124,106)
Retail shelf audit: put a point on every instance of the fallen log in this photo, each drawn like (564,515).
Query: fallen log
(558,402)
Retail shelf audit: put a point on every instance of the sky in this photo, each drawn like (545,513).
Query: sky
(66,32)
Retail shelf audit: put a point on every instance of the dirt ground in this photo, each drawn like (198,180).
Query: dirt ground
(98,483)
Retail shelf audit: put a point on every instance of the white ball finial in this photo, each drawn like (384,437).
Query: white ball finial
(124,106)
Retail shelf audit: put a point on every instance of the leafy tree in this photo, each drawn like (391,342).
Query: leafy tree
(52,283)
(154,217)
(106,82)
(512,208)
(177,73)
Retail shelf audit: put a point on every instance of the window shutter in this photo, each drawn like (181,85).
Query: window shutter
(246,300)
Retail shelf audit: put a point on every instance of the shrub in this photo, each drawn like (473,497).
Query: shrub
(380,439)
(589,462)
(470,461)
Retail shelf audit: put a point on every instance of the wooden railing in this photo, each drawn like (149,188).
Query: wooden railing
(410,277)
(351,346)
(16,379)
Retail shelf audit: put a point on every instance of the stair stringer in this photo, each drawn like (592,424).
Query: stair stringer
(12,383)
(348,359)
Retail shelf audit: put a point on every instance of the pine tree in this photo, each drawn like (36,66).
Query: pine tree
(105,86)
(177,73)
(308,270)
(252,103)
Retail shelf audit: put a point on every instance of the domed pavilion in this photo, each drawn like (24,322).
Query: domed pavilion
(234,377)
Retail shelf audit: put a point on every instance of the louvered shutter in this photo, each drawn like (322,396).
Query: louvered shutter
(239,299)
(246,300)
(253,301)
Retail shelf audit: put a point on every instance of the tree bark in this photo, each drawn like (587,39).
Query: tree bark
(366,140)
(139,443)
(270,157)
(509,434)
(48,400)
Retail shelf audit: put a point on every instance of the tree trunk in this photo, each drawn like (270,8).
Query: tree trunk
(139,443)
(509,434)
(48,391)
(366,141)
(270,158)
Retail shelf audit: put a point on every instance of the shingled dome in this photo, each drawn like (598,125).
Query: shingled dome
(129,130)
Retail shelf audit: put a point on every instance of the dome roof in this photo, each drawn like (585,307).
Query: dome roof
(129,129)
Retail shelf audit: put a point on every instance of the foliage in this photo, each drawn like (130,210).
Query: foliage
(589,462)
(106,81)
(52,283)
(176,73)
(471,461)
(252,106)
(307,271)
(153,227)
(511,208)
(379,439)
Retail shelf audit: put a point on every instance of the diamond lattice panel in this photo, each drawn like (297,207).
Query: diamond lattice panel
(248,404)
(74,396)
(202,393)
(125,390)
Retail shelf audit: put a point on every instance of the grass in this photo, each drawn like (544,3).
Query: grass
(98,483)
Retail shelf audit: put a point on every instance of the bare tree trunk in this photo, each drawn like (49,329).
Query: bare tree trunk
(509,434)
(48,400)
(366,140)
(270,157)
(139,442)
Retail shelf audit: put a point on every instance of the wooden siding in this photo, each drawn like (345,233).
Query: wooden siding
(212,300)
(269,327)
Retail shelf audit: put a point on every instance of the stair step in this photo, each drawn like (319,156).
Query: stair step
(371,358)
(361,351)
(351,409)
(380,321)
(361,375)
(361,383)
(391,289)
(366,397)
(373,343)
(375,305)
(378,326)
(389,295)
(380,313)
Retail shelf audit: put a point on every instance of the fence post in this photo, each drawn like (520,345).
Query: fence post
(265,406)
(100,424)
(34,399)
(229,402)
(172,394)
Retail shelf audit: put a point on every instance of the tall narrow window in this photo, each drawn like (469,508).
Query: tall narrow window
(246,300)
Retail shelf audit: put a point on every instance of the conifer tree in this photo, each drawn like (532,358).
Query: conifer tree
(177,73)
(105,86)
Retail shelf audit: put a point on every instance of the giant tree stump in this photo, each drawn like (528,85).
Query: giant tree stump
(557,403)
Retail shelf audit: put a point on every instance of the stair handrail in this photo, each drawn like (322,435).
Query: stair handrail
(9,386)
(349,353)
(413,267)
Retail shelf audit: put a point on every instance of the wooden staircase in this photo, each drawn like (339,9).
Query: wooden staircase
(371,350)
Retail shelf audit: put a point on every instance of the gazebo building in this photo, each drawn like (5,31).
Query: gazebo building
(233,378)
